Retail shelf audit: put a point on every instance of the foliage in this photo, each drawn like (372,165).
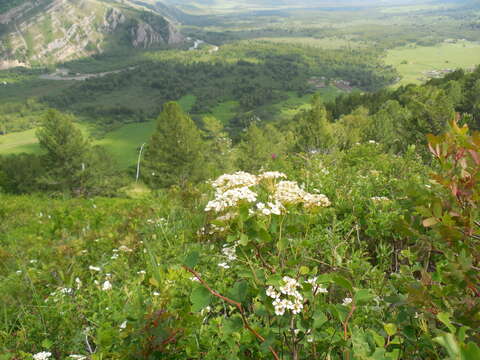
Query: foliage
(174,153)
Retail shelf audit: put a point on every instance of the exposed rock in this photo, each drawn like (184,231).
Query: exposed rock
(143,35)
(50,31)
(113,18)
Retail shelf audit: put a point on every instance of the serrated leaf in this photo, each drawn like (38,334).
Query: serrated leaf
(233,324)
(191,260)
(319,318)
(200,298)
(239,291)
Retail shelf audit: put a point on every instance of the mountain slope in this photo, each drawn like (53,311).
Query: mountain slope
(50,31)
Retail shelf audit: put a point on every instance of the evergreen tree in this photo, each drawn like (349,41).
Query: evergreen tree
(66,152)
(70,163)
(352,128)
(314,132)
(175,153)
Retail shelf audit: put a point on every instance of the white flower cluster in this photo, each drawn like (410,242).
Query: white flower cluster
(236,188)
(288,192)
(347,301)
(230,253)
(44,355)
(230,199)
(316,288)
(267,209)
(292,299)
(272,175)
(231,181)
(379,199)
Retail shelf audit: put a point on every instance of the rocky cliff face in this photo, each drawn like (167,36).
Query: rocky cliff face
(50,31)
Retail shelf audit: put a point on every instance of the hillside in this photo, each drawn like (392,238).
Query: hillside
(50,31)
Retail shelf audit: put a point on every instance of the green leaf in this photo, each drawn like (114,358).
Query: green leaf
(232,325)
(244,240)
(471,352)
(264,235)
(239,291)
(319,318)
(191,260)
(282,244)
(304,270)
(200,298)
(343,282)
(363,296)
(445,319)
(390,329)
(47,344)
(450,344)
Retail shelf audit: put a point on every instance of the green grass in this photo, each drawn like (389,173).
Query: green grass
(122,143)
(19,142)
(290,107)
(225,111)
(462,54)
(324,43)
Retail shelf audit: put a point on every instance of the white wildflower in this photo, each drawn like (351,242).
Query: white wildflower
(347,301)
(238,179)
(124,248)
(123,325)
(224,265)
(78,282)
(315,200)
(141,272)
(229,252)
(272,293)
(272,175)
(155,293)
(65,291)
(44,355)
(94,268)
(379,198)
(107,285)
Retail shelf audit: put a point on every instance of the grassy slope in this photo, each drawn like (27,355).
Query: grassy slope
(425,58)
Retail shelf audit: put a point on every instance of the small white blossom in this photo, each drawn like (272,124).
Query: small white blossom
(155,293)
(107,286)
(224,265)
(44,355)
(347,301)
(123,325)
(94,268)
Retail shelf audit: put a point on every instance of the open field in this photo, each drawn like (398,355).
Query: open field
(324,43)
(412,61)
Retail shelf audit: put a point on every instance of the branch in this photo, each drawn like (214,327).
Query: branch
(237,305)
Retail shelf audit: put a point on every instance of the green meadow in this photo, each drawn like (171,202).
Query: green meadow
(411,61)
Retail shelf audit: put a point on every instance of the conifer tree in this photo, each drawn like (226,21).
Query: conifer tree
(314,132)
(66,153)
(175,153)
(71,164)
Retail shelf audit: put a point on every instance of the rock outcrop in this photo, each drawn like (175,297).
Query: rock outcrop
(50,31)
